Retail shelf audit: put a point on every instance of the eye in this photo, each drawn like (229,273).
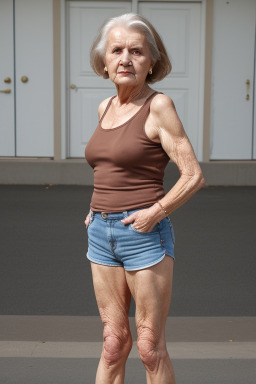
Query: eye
(116,50)
(136,52)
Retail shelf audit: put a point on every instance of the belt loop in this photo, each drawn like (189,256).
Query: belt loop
(125,213)
(92,214)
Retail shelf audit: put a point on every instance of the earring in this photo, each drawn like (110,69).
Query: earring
(105,70)
(150,71)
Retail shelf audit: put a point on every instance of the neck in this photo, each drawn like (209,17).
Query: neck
(126,94)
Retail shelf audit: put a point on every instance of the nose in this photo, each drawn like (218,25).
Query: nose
(125,58)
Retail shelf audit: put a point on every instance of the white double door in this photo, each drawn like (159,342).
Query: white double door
(179,25)
(26,78)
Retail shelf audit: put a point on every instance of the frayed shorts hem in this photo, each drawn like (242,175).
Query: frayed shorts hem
(137,268)
(104,263)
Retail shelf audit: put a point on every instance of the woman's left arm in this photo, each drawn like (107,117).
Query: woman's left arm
(176,144)
(174,140)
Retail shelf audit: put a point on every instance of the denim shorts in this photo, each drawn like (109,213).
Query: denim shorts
(112,243)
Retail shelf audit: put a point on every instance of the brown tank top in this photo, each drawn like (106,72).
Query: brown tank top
(128,166)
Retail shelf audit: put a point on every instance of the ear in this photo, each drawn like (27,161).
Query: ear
(153,62)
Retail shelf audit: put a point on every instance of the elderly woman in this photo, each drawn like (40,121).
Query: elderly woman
(130,236)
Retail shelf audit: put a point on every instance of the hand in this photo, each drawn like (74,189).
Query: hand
(87,220)
(144,220)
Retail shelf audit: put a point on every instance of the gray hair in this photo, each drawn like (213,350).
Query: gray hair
(162,65)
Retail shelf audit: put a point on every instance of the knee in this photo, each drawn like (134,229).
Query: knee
(117,345)
(150,348)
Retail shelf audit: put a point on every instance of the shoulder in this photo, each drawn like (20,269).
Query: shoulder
(164,115)
(103,106)
(161,104)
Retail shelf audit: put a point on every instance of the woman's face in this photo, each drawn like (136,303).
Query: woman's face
(128,58)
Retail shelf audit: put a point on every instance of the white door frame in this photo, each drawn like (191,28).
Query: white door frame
(254,103)
(65,78)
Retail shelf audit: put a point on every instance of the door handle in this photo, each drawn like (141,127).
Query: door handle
(6,91)
(7,80)
(248,83)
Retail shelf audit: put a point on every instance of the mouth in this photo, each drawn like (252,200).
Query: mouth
(125,73)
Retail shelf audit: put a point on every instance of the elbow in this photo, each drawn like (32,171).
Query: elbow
(199,180)
(195,181)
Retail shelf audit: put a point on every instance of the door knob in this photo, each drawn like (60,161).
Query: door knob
(6,91)
(7,80)
(73,86)
(24,79)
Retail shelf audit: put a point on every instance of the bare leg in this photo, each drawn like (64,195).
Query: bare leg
(151,289)
(113,297)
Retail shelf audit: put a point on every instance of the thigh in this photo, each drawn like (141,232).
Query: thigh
(112,294)
(152,289)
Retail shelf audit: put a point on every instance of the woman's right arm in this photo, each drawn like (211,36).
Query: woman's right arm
(101,110)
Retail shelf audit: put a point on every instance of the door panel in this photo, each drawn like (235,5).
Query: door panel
(179,26)
(34,59)
(85,20)
(233,65)
(7,132)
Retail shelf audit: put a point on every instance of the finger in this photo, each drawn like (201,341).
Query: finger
(129,219)
(87,220)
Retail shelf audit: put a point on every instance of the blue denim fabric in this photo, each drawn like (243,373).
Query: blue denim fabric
(112,243)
